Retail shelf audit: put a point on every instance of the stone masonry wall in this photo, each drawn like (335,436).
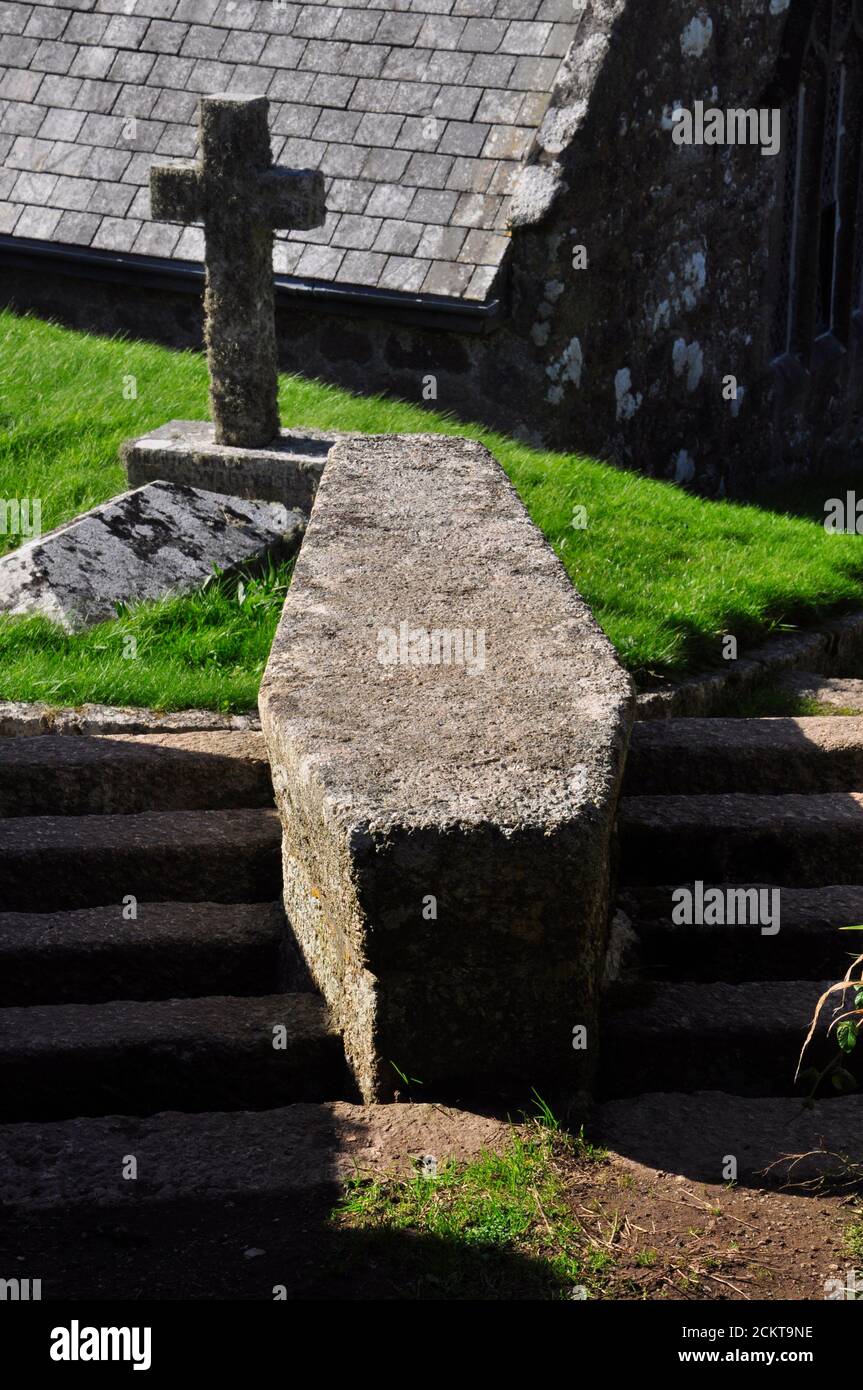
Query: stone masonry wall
(682,246)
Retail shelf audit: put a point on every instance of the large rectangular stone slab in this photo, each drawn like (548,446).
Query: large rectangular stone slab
(156,540)
(186,452)
(446,725)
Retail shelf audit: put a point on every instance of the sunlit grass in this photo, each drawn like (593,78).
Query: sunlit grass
(666,573)
(204,651)
(497,1227)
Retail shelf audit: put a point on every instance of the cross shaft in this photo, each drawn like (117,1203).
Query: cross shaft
(240,197)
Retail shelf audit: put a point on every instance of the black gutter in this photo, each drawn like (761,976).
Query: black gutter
(187,277)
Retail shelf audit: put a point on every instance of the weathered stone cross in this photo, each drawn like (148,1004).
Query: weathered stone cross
(240,197)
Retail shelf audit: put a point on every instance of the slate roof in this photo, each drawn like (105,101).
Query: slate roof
(419,112)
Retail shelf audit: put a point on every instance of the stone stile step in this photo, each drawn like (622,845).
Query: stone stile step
(218,1053)
(51,863)
(125,774)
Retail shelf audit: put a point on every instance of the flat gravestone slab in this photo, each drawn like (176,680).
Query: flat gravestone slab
(186,452)
(159,539)
(446,725)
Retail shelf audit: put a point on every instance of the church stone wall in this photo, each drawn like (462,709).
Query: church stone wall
(682,245)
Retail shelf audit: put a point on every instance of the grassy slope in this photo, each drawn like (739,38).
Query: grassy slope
(205,651)
(665,573)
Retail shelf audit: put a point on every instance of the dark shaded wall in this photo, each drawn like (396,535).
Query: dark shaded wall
(477,374)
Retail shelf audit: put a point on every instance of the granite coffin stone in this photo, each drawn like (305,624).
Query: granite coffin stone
(159,539)
(446,726)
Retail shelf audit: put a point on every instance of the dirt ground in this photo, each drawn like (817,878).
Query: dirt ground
(668,1238)
(647,1236)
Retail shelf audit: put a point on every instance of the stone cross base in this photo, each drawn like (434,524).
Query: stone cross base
(185,451)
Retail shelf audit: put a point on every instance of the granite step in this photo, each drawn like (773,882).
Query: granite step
(128,774)
(138,1058)
(765,756)
(801,841)
(837,696)
(744,1038)
(169,951)
(224,1156)
(694,1135)
(808,945)
(51,863)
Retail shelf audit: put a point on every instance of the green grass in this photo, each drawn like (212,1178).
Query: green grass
(854,1239)
(497,1227)
(205,651)
(666,573)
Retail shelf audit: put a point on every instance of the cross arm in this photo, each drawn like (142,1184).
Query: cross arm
(292,198)
(175,192)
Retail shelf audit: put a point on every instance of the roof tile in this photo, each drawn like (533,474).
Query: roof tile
(209,76)
(319,262)
(92,62)
(86,28)
(457,103)
(126,31)
(241,46)
(464,138)
(389,200)
(77,227)
(238,14)
(22,118)
(19,85)
(362,267)
(93,95)
(358,26)
(441,243)
(202,42)
(44,24)
(190,247)
(343,161)
(399,29)
(250,80)
(355,233)
(471,175)
(37,222)
(61,124)
(447,278)
(403,273)
(352,195)
(34,188)
(396,237)
(9,215)
(135,100)
(164,37)
(156,239)
(116,234)
(476,210)
(483,35)
(59,91)
(175,106)
(131,67)
(14,18)
(432,205)
(418,112)
(315,22)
